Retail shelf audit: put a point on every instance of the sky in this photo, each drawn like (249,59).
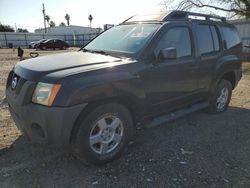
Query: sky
(28,13)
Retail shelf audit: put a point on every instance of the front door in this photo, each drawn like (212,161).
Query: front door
(171,83)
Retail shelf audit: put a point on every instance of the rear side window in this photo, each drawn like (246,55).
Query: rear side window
(208,40)
(205,40)
(231,36)
(179,38)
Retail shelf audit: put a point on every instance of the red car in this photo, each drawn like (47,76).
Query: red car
(53,44)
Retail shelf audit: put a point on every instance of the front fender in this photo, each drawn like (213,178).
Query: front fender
(101,86)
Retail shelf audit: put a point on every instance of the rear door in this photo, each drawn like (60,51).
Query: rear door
(50,44)
(58,44)
(209,51)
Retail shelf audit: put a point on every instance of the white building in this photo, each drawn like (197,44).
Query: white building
(67,30)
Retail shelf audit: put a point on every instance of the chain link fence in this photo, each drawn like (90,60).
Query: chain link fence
(10,40)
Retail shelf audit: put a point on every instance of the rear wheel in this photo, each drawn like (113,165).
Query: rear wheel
(103,134)
(221,97)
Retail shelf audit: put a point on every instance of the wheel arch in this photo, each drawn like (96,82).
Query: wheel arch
(228,75)
(126,101)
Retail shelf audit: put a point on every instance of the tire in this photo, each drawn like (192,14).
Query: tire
(221,97)
(96,141)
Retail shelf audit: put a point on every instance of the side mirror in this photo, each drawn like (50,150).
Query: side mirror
(168,53)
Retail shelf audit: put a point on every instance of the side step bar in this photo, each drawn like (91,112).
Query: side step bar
(174,115)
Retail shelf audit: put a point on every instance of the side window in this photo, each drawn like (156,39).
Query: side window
(178,37)
(231,36)
(215,38)
(205,40)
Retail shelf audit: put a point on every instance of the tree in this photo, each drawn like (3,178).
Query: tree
(90,19)
(67,18)
(22,30)
(47,18)
(98,30)
(6,28)
(240,8)
(62,24)
(52,24)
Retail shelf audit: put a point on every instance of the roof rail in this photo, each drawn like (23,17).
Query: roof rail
(174,15)
(178,14)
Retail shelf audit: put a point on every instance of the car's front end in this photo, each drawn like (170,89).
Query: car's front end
(31,106)
(39,91)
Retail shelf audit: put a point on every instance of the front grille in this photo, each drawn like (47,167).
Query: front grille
(19,82)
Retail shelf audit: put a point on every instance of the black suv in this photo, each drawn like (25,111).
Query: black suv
(151,67)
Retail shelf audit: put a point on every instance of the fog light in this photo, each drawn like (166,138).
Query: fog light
(37,130)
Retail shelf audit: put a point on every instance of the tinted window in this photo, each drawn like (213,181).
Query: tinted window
(205,40)
(231,36)
(215,38)
(179,38)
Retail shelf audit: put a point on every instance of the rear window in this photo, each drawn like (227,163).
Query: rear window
(231,36)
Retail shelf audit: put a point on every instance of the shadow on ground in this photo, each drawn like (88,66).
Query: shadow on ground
(198,150)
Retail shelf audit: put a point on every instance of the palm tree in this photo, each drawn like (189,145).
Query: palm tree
(52,24)
(90,19)
(67,17)
(47,18)
(62,24)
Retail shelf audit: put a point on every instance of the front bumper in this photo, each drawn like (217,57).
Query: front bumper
(41,124)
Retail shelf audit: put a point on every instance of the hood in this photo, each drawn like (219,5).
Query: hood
(35,68)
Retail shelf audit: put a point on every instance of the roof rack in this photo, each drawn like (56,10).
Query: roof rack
(178,14)
(174,15)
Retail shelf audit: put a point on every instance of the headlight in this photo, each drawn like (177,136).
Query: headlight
(45,93)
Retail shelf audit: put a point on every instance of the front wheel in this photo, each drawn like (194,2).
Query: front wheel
(103,134)
(221,97)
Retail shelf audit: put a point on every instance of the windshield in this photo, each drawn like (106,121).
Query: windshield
(123,38)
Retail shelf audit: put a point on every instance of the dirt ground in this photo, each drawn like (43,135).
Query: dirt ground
(198,150)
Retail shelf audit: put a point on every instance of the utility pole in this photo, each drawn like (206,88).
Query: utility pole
(44,19)
(16,27)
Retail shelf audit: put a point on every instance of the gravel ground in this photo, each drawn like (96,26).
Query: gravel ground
(198,150)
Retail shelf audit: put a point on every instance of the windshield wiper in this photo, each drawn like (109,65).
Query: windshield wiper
(85,50)
(100,52)
(95,51)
